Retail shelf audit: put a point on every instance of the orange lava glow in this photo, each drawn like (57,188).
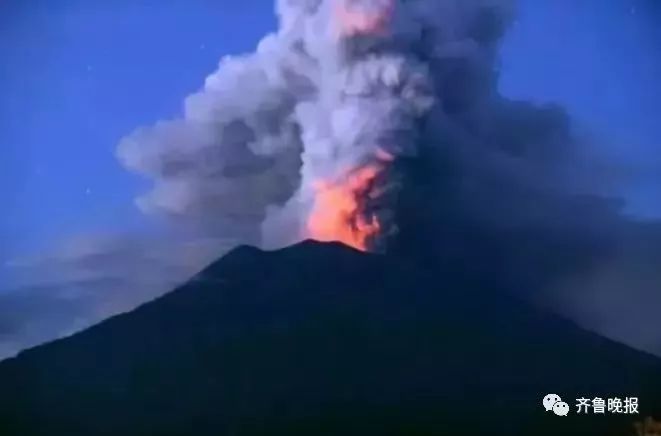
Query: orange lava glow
(337,213)
(353,21)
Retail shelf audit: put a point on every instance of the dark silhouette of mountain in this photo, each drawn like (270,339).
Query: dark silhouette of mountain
(320,339)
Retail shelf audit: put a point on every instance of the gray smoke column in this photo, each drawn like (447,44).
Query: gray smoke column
(309,125)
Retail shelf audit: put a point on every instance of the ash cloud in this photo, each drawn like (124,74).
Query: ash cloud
(339,83)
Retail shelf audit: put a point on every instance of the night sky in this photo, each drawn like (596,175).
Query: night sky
(78,75)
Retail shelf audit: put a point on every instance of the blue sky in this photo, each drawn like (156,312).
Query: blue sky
(78,75)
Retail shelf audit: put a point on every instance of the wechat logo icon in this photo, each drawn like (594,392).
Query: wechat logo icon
(553,402)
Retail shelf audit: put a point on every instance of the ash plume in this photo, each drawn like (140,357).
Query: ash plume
(502,191)
(339,85)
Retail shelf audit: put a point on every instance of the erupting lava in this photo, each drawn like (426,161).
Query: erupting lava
(355,19)
(339,212)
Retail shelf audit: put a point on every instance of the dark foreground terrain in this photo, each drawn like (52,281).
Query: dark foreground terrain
(319,339)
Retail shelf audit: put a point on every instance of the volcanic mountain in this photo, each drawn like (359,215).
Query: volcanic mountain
(319,338)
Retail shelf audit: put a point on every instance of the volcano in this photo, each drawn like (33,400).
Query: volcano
(320,338)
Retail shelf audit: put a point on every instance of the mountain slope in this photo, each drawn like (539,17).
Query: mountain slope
(322,339)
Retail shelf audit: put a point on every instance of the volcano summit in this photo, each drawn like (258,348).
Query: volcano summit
(323,339)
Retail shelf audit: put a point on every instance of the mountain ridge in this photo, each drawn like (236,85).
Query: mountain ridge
(322,336)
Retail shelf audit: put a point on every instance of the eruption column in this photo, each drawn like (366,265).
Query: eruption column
(339,212)
(369,93)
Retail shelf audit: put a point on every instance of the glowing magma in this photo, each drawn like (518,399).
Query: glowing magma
(339,212)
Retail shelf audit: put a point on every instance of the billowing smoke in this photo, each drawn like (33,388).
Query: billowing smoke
(343,86)
(385,116)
